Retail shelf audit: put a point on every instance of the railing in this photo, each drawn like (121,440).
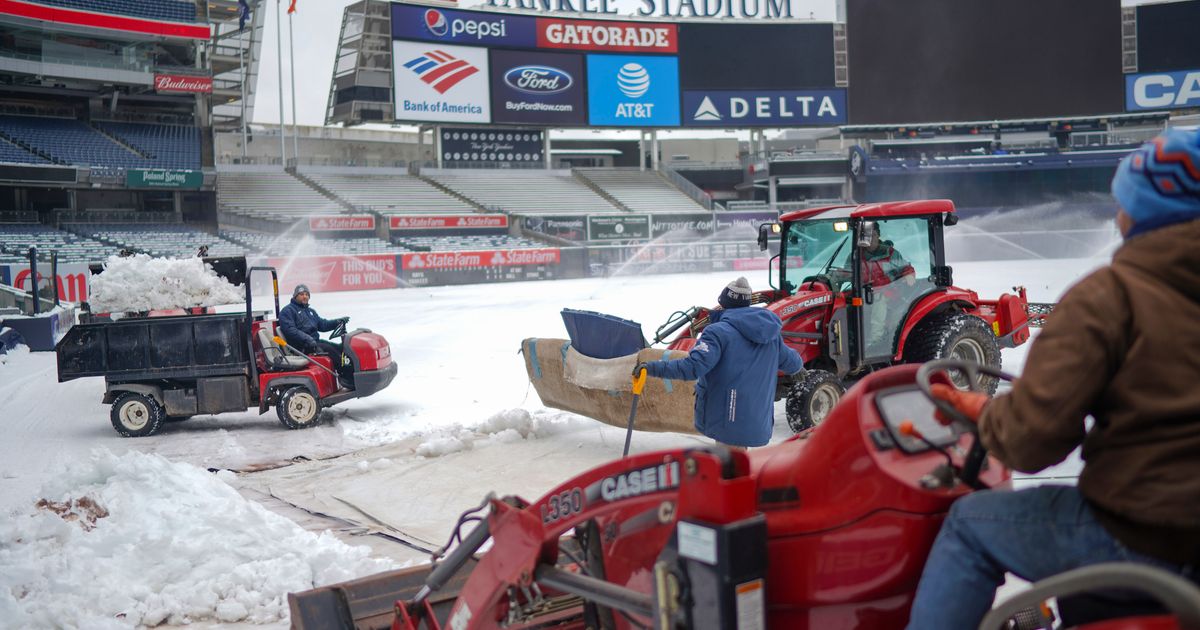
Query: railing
(697,165)
(1086,139)
(685,186)
(294,162)
(18,216)
(115,63)
(113,216)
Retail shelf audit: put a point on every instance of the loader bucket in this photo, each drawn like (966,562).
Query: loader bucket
(602,388)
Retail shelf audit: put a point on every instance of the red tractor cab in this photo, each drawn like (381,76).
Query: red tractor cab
(860,288)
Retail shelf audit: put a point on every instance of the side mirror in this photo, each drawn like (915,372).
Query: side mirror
(951,219)
(764,234)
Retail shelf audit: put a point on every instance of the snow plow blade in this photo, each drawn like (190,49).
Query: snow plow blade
(370,603)
(602,388)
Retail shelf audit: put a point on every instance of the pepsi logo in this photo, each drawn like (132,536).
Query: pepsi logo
(538,79)
(436,22)
(633,80)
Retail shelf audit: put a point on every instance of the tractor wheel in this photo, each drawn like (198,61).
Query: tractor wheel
(298,408)
(136,415)
(955,336)
(810,399)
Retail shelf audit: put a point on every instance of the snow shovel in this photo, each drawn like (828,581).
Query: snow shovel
(283,344)
(639,382)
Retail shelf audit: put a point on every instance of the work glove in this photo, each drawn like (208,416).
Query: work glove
(343,320)
(637,369)
(970,404)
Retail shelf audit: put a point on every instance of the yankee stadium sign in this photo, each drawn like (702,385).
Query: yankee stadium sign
(767,9)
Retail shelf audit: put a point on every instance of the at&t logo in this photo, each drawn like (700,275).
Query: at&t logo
(633,80)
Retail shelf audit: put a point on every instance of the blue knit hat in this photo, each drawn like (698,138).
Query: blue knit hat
(736,294)
(1159,184)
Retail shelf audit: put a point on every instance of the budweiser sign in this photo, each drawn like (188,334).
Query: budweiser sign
(342,223)
(432,222)
(467,260)
(181,83)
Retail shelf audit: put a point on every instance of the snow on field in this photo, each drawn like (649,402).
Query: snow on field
(460,420)
(136,540)
(141,283)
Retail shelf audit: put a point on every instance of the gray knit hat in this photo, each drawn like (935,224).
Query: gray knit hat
(736,294)
(300,288)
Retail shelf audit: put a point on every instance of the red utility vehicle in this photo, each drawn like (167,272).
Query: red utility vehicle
(829,529)
(160,369)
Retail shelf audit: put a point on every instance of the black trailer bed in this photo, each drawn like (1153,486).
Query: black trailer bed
(187,346)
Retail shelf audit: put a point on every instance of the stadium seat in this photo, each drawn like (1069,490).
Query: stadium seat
(525,191)
(640,191)
(391,194)
(169,10)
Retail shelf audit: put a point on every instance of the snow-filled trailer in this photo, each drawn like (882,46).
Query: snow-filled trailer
(160,369)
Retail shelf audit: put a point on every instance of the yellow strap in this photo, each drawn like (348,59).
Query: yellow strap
(639,382)
(279,340)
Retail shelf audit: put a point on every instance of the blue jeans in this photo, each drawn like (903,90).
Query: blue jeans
(1033,533)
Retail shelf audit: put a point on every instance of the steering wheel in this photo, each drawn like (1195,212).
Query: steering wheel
(339,330)
(973,462)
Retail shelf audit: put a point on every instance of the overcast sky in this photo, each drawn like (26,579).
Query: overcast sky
(318,25)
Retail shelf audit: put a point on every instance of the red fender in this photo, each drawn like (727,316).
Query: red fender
(968,300)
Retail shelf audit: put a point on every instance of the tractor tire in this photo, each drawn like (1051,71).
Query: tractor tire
(810,399)
(955,336)
(136,415)
(298,408)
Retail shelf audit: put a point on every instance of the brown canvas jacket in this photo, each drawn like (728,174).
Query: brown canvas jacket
(1123,346)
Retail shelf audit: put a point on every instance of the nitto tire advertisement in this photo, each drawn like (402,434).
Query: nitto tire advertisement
(441,83)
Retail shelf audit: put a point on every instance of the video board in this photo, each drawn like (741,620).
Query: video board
(929,61)
(1168,61)
(482,67)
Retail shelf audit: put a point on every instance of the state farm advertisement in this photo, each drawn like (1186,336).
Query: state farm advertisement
(342,223)
(607,36)
(182,83)
(442,222)
(470,260)
(338,273)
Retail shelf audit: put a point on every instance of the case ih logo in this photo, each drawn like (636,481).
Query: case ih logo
(341,223)
(442,222)
(466,260)
(440,70)
(178,83)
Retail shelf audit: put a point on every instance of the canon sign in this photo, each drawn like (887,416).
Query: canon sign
(342,223)
(180,83)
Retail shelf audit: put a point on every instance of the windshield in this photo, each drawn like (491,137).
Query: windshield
(810,246)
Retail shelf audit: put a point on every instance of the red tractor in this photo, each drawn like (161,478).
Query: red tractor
(865,287)
(859,288)
(829,529)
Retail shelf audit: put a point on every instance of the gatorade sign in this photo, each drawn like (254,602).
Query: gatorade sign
(607,36)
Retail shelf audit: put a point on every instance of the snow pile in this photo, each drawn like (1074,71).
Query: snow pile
(505,427)
(14,354)
(141,283)
(136,540)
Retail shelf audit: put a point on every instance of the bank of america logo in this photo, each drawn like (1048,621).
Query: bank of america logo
(440,70)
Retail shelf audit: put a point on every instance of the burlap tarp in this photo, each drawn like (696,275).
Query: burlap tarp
(603,388)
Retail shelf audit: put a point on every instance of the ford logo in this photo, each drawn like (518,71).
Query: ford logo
(538,79)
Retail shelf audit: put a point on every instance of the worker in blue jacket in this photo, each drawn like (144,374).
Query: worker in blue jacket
(301,327)
(734,364)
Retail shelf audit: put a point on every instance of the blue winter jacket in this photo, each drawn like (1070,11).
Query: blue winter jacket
(734,364)
(300,325)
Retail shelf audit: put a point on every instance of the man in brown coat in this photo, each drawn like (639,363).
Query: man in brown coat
(1123,346)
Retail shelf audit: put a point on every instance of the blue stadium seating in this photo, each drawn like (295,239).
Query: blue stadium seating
(170,10)
(14,154)
(170,146)
(69,141)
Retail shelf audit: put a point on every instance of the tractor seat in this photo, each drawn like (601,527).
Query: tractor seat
(274,356)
